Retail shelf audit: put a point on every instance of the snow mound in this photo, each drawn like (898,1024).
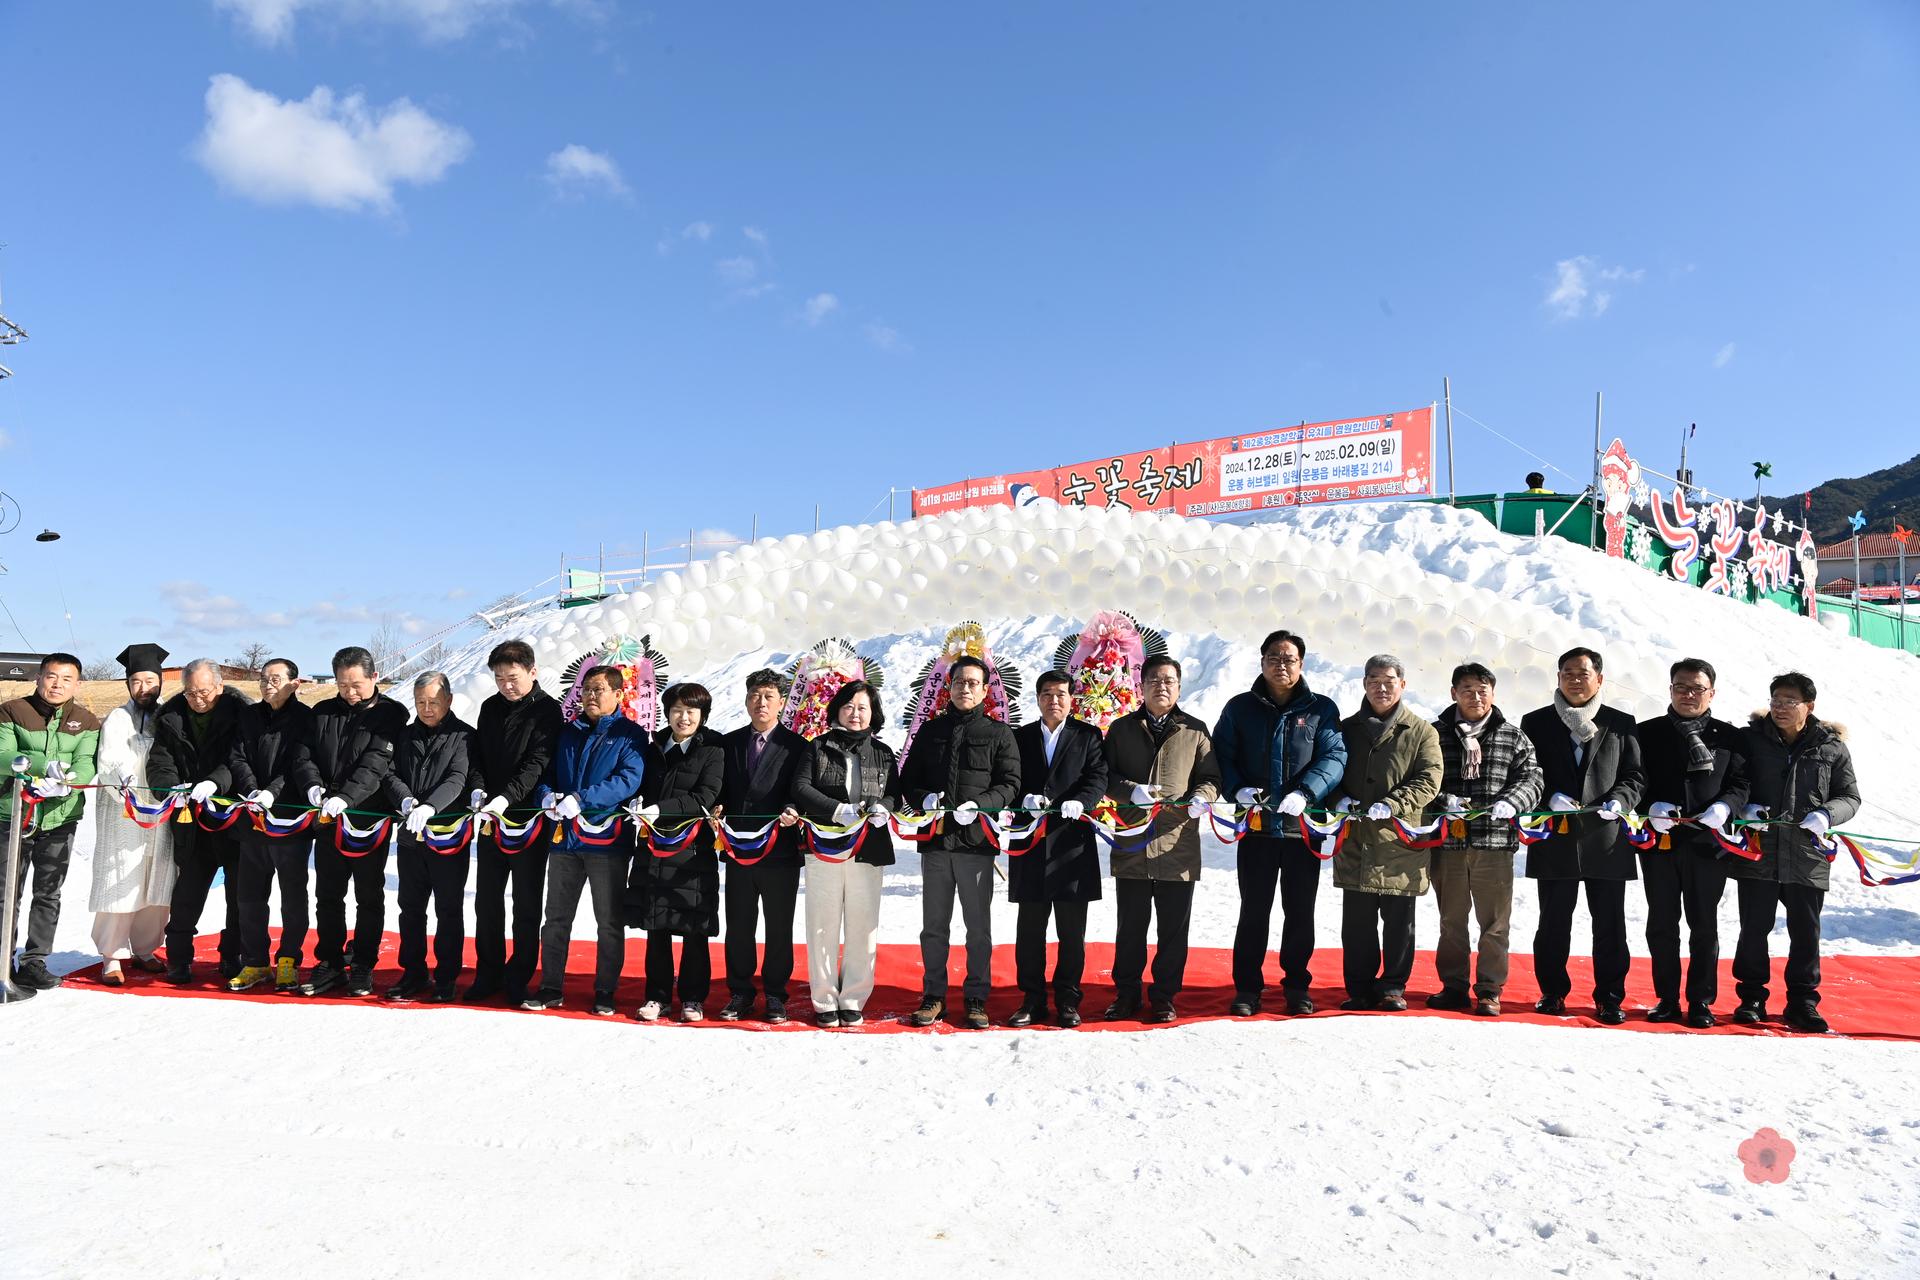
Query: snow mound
(1431,584)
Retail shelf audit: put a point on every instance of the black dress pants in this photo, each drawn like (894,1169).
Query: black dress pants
(1137,902)
(764,888)
(1751,968)
(1553,939)
(258,864)
(197,862)
(333,871)
(526,871)
(426,876)
(1265,861)
(1681,882)
(1376,943)
(1030,950)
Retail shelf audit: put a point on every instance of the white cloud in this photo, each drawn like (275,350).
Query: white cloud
(272,22)
(716,535)
(1581,286)
(6,439)
(886,337)
(819,307)
(197,607)
(697,231)
(756,235)
(327,151)
(1723,357)
(737,271)
(574,170)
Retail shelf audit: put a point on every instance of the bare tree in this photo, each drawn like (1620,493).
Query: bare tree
(101,669)
(386,645)
(251,658)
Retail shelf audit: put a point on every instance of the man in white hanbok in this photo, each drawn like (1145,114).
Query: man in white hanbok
(132,865)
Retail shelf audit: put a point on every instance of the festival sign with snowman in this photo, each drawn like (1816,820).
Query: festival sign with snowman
(1694,536)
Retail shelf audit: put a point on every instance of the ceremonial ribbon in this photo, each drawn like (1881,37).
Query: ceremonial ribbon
(352,842)
(1431,836)
(915,828)
(759,843)
(599,837)
(1000,835)
(850,839)
(1332,836)
(1113,834)
(667,843)
(1836,841)
(1242,823)
(279,828)
(224,813)
(147,817)
(447,841)
(512,839)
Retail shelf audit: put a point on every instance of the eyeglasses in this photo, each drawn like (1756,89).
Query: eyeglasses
(1278,660)
(1689,690)
(1167,680)
(968,684)
(1786,704)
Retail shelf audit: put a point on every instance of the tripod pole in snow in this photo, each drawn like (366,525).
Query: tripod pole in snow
(10,994)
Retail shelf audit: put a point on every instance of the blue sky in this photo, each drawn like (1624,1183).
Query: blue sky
(351,309)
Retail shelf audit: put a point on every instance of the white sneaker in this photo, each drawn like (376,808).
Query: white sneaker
(648,1012)
(691,1013)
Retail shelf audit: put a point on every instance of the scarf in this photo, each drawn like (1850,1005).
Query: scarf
(1376,725)
(1699,754)
(1158,727)
(1470,744)
(1579,720)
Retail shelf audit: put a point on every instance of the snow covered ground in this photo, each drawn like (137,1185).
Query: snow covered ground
(203,1138)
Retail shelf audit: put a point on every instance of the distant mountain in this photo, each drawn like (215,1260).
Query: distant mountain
(1885,496)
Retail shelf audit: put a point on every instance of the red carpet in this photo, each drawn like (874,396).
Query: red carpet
(1866,997)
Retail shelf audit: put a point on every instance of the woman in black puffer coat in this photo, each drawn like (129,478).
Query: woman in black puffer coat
(678,895)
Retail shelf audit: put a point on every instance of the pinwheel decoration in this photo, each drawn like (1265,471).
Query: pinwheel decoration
(1761,469)
(1859,521)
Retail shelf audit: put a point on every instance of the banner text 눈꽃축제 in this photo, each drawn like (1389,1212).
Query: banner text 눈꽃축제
(1351,459)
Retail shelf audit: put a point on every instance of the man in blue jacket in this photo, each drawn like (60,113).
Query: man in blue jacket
(598,761)
(1280,748)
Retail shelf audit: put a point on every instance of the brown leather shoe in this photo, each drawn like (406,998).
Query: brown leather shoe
(1487,1007)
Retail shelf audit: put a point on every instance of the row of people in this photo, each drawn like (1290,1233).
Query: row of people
(1278,750)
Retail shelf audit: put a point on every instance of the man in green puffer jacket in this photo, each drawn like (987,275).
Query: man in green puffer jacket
(59,740)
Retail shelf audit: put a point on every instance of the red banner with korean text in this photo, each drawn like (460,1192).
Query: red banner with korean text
(1353,459)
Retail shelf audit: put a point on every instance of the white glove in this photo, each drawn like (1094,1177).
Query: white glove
(202,792)
(877,814)
(48,788)
(1072,810)
(1561,802)
(569,807)
(1197,808)
(1293,804)
(1816,822)
(1346,805)
(966,813)
(1142,793)
(332,807)
(1610,809)
(417,818)
(1715,815)
(477,799)
(315,795)
(1454,805)
(56,771)
(643,812)
(1754,813)
(261,799)
(1034,803)
(1660,816)
(1222,809)
(1503,811)
(408,805)
(495,807)
(1379,809)
(844,814)
(1248,796)
(931,801)
(128,782)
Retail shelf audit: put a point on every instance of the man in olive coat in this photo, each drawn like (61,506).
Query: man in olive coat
(1157,755)
(1393,771)
(1063,770)
(1589,757)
